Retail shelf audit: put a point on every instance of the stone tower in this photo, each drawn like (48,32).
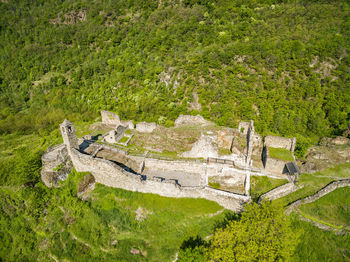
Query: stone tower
(68,134)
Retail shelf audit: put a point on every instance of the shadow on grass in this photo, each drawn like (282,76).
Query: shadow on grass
(228,217)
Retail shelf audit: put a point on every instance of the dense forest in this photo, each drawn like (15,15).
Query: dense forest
(284,64)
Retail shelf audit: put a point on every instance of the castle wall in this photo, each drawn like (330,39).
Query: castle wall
(280,142)
(275,166)
(113,120)
(279,192)
(110,174)
(145,127)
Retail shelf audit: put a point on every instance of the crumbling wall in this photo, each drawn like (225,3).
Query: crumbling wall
(145,127)
(110,118)
(324,191)
(113,120)
(225,138)
(55,166)
(243,127)
(280,142)
(110,174)
(275,166)
(191,120)
(250,142)
(279,192)
(205,147)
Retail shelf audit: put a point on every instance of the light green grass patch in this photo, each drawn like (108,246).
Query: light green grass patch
(261,184)
(281,153)
(333,208)
(319,245)
(123,139)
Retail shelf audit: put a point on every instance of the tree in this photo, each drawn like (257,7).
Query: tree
(262,234)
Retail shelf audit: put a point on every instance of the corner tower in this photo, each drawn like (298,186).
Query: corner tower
(68,134)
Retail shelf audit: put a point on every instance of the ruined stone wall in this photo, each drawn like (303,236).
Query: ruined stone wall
(191,120)
(250,142)
(225,137)
(110,174)
(145,127)
(324,191)
(274,166)
(243,127)
(280,142)
(279,192)
(113,120)
(109,118)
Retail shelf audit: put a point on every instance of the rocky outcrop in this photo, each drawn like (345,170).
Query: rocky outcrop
(318,158)
(191,120)
(86,185)
(339,140)
(56,165)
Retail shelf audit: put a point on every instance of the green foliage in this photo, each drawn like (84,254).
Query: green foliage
(215,185)
(301,146)
(123,139)
(276,64)
(262,234)
(281,153)
(38,223)
(261,184)
(224,151)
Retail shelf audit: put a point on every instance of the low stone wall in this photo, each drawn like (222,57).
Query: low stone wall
(324,191)
(279,192)
(280,142)
(110,174)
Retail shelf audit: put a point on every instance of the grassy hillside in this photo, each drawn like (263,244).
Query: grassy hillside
(284,64)
(38,223)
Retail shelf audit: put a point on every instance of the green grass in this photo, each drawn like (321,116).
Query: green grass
(215,185)
(333,208)
(40,223)
(319,245)
(123,139)
(281,153)
(314,182)
(261,184)
(224,151)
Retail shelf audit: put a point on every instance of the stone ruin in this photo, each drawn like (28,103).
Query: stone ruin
(191,120)
(173,178)
(145,127)
(115,135)
(279,166)
(113,120)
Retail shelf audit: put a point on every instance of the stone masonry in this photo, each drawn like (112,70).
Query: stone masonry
(146,174)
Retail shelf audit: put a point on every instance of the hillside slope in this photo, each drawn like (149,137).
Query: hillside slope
(284,64)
